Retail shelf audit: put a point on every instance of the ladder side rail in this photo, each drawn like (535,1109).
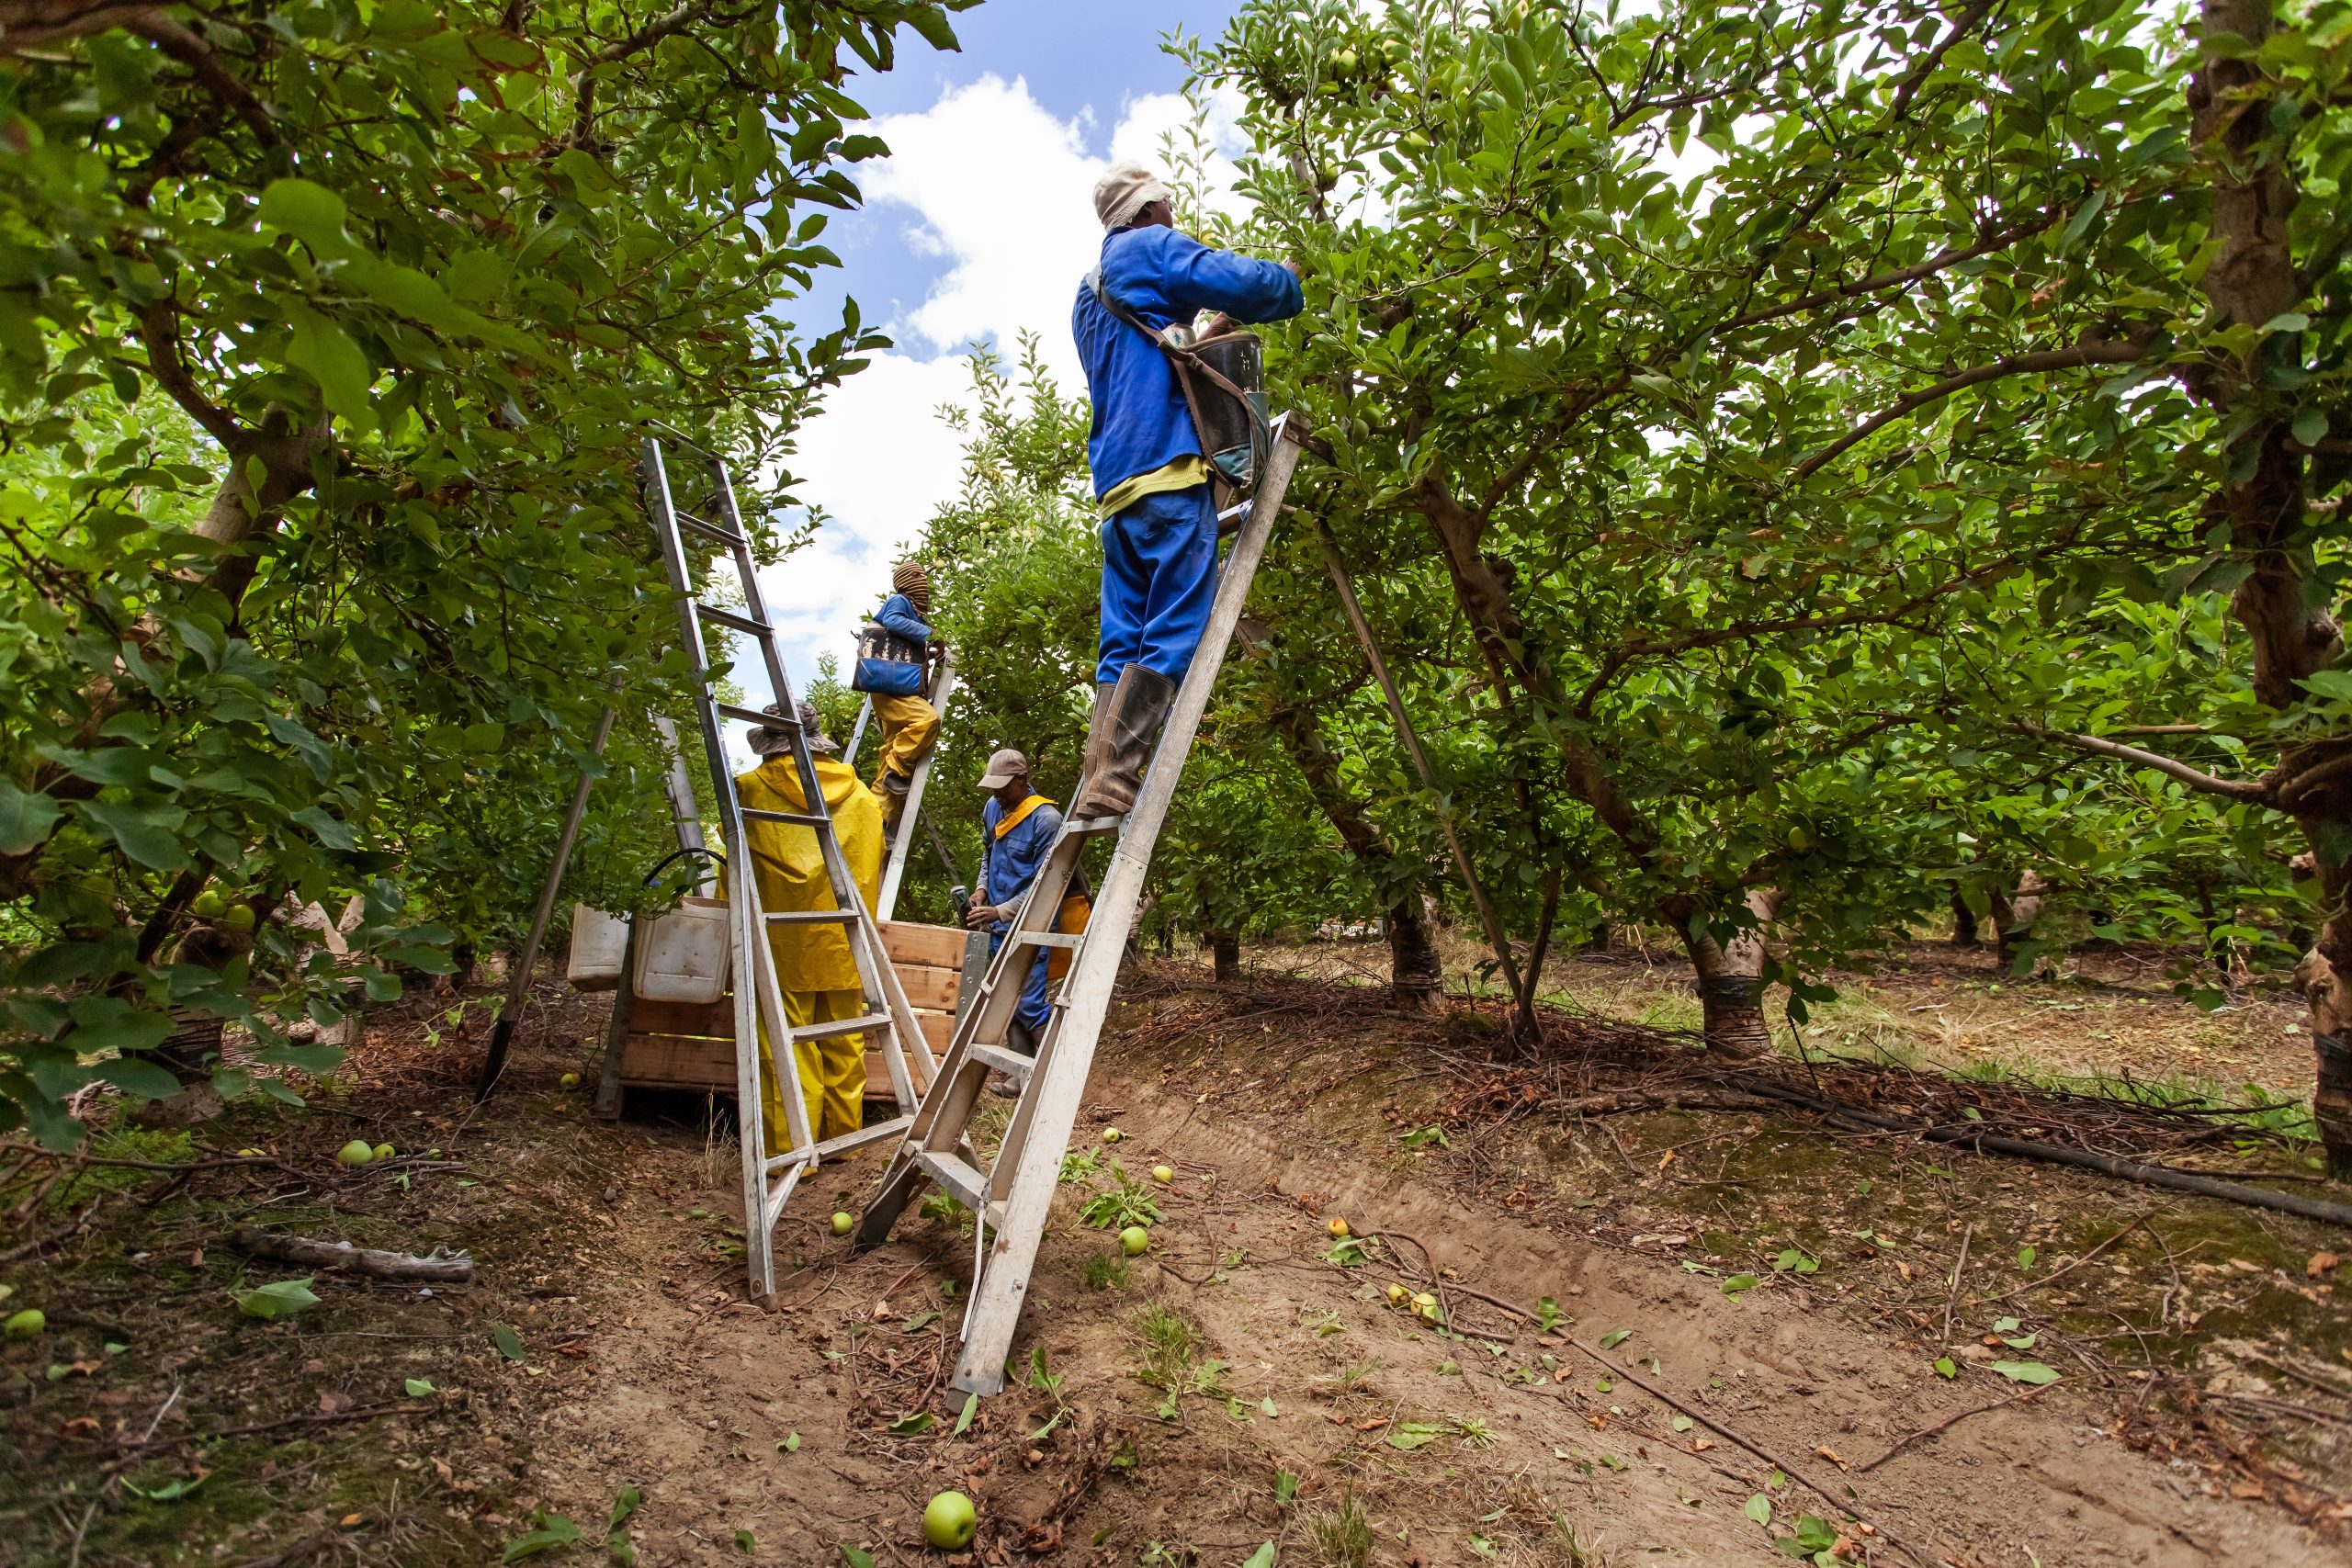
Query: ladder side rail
(857,733)
(755,603)
(758,1256)
(1060,1085)
(685,814)
(904,1044)
(902,837)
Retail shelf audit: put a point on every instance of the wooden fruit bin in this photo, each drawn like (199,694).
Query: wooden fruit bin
(652,1045)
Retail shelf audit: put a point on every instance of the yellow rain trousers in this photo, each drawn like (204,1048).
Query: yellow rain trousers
(813,967)
(909,729)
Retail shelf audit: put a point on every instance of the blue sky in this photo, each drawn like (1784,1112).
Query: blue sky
(977,226)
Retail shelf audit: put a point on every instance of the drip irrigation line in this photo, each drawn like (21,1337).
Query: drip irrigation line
(2058,1154)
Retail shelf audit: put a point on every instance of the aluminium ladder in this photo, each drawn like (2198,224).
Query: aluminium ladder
(903,833)
(1010,1197)
(888,1020)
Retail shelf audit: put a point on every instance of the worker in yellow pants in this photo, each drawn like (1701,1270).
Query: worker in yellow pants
(894,668)
(813,965)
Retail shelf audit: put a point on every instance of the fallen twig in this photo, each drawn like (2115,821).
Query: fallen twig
(2129,1227)
(449,1268)
(315,1418)
(1945,1425)
(1969,1136)
(1952,1295)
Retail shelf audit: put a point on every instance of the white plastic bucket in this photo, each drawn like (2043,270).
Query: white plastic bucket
(681,957)
(599,942)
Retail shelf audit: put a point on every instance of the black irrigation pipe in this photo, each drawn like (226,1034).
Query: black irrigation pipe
(2058,1154)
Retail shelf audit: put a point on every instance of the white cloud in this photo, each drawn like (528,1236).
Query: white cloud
(1002,191)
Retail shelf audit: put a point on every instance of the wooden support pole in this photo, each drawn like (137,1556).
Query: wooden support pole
(1522,992)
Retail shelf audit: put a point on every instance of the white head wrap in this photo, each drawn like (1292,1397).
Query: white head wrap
(1126,190)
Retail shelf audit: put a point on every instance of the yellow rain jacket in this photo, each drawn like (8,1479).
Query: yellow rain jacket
(792,875)
(813,965)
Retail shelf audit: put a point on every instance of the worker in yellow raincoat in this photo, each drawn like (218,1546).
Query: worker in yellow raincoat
(813,967)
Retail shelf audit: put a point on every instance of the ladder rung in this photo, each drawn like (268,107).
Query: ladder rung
(813,917)
(841,1026)
(1002,1060)
(878,1133)
(1082,826)
(796,818)
(753,716)
(967,1184)
(729,618)
(1048,939)
(708,530)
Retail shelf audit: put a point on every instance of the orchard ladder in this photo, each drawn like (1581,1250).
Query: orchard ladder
(1011,1196)
(888,1020)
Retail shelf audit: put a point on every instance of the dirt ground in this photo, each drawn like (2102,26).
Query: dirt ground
(2093,1017)
(1632,1285)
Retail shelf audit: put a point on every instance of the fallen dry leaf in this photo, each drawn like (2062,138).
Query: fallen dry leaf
(1831,1455)
(2321,1263)
(80,1427)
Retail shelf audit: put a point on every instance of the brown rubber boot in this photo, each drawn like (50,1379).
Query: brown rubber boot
(1137,707)
(1095,730)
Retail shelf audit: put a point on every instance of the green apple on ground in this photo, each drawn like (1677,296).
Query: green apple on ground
(1134,1240)
(1112,1134)
(569,1080)
(1163,1174)
(843,1222)
(385,1151)
(948,1521)
(28,1323)
(357,1152)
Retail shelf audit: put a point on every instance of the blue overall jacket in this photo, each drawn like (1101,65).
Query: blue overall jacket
(1141,421)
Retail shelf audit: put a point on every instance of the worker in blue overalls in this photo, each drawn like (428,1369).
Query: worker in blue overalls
(1018,827)
(1151,479)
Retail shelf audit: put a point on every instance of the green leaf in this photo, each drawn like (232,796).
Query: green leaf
(1615,1338)
(137,1076)
(1759,1509)
(553,1530)
(325,351)
(1946,1366)
(913,1425)
(418,1387)
(745,1543)
(2025,1254)
(282,1297)
(791,1444)
(971,1408)
(2311,426)
(334,834)
(625,1502)
(137,833)
(310,212)
(1739,1283)
(1261,1558)
(854,1558)
(26,820)
(509,1343)
(2026,1371)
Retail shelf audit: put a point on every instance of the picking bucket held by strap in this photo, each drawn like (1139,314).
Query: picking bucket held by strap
(1229,411)
(887,664)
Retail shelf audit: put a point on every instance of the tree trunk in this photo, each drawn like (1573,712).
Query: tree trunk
(1731,983)
(1416,978)
(1225,950)
(2250,281)
(1963,922)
